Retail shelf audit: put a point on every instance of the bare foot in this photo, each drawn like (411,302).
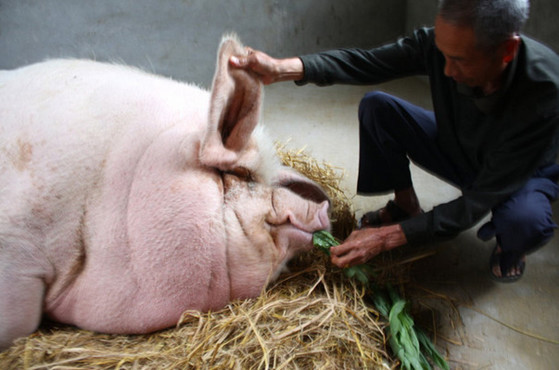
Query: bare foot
(506,267)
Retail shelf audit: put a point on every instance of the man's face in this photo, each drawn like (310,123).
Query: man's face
(466,63)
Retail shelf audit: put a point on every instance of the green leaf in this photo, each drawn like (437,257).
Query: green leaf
(324,240)
(431,351)
(382,302)
(406,344)
(350,272)
(393,319)
(361,276)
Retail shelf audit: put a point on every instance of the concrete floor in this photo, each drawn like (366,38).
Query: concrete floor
(479,323)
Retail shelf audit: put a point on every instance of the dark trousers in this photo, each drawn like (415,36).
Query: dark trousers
(393,131)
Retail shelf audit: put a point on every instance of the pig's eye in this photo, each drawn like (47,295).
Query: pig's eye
(242,173)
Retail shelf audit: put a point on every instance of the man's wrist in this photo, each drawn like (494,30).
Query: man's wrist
(393,236)
(290,69)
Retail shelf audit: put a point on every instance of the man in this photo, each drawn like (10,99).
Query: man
(492,133)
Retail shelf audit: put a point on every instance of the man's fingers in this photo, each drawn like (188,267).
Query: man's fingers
(341,255)
(238,62)
(339,250)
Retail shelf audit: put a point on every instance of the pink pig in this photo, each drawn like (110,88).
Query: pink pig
(128,198)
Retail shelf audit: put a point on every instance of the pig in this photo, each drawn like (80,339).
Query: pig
(127,198)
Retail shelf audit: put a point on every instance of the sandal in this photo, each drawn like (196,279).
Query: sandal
(373,219)
(505,263)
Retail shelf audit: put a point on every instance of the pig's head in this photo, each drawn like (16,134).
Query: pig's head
(270,211)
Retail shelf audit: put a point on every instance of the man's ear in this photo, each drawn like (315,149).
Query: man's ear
(511,47)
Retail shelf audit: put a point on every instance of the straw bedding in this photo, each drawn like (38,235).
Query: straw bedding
(313,317)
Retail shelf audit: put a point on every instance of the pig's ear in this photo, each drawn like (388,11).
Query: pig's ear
(234,111)
(299,184)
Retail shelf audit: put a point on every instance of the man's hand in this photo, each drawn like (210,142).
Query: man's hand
(269,69)
(364,244)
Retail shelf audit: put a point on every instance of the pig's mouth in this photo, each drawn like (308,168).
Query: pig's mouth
(289,238)
(297,228)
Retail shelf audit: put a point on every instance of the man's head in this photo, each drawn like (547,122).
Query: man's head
(493,21)
(479,38)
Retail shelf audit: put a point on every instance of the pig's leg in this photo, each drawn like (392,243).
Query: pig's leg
(21,303)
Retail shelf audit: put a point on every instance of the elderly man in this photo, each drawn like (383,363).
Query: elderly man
(492,133)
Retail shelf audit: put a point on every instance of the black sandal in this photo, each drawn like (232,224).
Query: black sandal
(506,262)
(372,219)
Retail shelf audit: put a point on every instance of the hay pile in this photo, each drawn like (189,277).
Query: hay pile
(311,318)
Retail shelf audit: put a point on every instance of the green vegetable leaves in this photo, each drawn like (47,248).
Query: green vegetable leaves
(324,240)
(407,341)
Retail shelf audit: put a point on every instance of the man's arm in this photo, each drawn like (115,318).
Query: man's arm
(402,58)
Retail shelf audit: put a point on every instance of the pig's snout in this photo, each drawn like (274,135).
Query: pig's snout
(323,218)
(305,215)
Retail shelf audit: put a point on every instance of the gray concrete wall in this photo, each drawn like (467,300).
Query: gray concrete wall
(178,38)
(542,25)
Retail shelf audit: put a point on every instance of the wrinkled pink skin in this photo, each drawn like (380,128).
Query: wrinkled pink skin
(123,202)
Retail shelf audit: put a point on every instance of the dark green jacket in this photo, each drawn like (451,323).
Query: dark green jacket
(501,140)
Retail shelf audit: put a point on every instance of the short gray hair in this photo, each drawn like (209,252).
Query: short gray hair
(493,21)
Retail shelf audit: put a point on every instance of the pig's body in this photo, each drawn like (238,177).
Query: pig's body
(123,203)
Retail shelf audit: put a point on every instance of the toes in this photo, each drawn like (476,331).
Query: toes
(497,270)
(506,267)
